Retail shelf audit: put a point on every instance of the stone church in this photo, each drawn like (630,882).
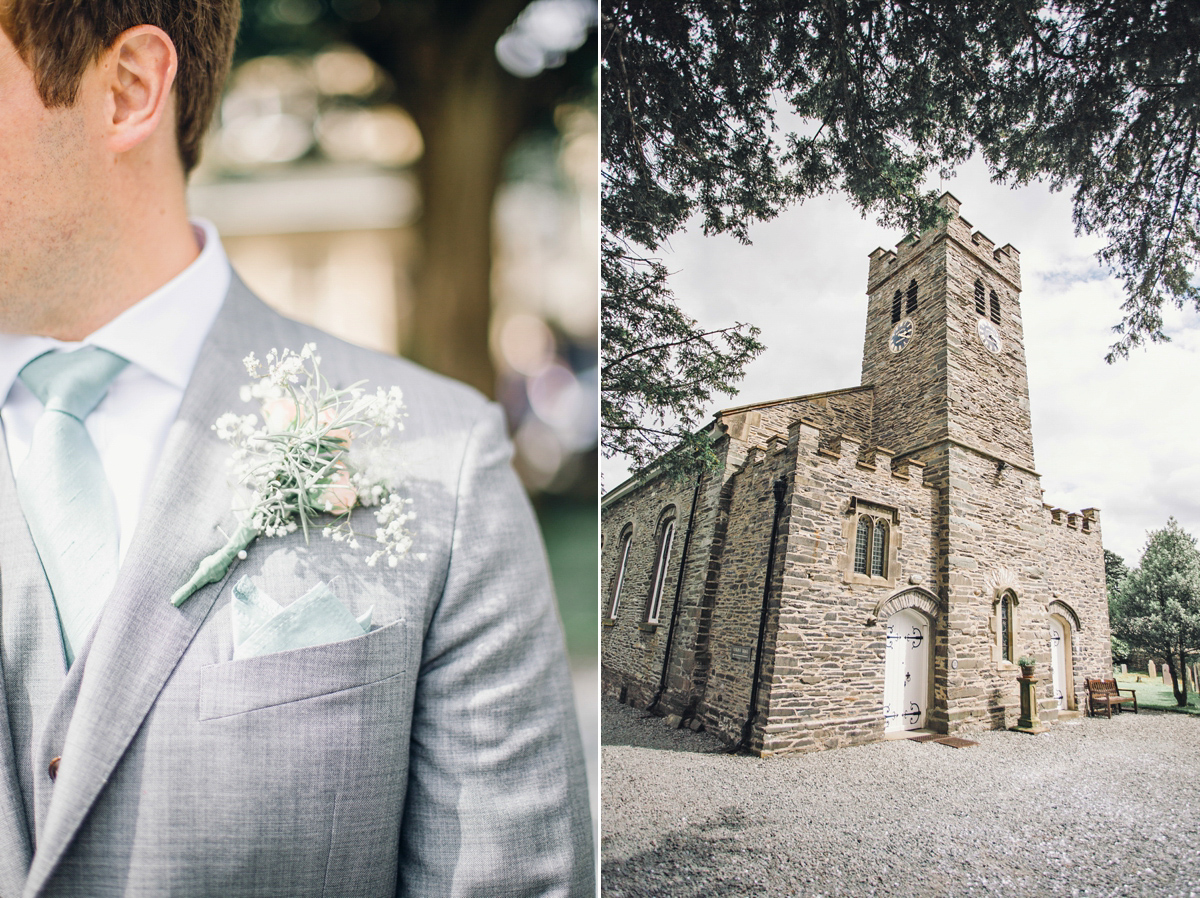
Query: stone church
(872,561)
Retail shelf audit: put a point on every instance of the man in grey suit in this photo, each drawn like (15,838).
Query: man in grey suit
(436,754)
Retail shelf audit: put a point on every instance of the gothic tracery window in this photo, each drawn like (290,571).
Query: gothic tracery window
(871,546)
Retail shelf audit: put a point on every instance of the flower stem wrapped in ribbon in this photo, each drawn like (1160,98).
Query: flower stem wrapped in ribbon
(319,451)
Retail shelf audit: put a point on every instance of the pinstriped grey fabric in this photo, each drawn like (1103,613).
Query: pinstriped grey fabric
(435,755)
(22,587)
(31,657)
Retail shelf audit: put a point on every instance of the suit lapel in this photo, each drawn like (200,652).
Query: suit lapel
(23,588)
(141,637)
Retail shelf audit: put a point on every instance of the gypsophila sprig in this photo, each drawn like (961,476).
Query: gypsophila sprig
(318,452)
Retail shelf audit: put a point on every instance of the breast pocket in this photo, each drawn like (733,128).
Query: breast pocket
(235,687)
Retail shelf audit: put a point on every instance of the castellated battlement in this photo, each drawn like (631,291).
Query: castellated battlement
(876,463)
(1086,521)
(1004,260)
(807,438)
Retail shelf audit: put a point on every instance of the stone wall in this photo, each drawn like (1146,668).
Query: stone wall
(631,651)
(995,542)
(837,413)
(823,661)
(688,668)
(987,393)
(997,537)
(738,594)
(1075,577)
(910,386)
(945,383)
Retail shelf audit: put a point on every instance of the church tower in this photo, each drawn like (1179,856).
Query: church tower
(944,346)
(944,351)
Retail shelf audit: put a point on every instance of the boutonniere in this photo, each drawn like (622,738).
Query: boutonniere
(317,454)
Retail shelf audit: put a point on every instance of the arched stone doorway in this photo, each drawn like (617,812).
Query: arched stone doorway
(1062,626)
(907,670)
(1061,672)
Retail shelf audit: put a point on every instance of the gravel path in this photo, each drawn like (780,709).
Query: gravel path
(1092,808)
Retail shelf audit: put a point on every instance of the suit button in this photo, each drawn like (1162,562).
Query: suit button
(54,768)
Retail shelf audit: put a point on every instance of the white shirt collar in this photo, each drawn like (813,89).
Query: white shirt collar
(161,333)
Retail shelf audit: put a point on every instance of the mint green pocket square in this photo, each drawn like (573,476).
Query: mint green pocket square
(262,626)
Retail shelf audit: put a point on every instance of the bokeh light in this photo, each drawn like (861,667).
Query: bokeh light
(543,34)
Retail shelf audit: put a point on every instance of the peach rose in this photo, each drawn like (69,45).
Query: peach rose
(340,496)
(325,418)
(278,414)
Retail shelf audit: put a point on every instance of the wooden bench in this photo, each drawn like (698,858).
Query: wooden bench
(1105,694)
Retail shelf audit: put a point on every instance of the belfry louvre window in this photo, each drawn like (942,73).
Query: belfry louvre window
(995,308)
(897,303)
(980,300)
(912,297)
(662,557)
(871,546)
(614,602)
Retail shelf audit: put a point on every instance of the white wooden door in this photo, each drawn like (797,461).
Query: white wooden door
(906,671)
(1058,661)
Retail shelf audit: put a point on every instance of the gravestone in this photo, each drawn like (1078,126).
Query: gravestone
(1124,668)
(1167,680)
(1150,669)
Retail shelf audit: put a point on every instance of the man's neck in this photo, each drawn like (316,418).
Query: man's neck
(151,251)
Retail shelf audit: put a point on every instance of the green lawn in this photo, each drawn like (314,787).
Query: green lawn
(1151,693)
(571,532)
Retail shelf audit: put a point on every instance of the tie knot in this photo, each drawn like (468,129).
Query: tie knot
(72,382)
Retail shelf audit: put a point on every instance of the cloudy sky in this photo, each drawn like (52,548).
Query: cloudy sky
(1123,438)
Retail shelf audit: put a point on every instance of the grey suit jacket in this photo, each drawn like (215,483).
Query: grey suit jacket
(435,755)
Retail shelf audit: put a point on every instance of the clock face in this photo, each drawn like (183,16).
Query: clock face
(902,335)
(988,335)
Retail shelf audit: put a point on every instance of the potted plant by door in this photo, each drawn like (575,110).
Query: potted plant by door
(1026,664)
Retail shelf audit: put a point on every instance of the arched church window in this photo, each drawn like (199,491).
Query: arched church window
(614,598)
(912,297)
(862,539)
(980,300)
(995,308)
(878,548)
(659,578)
(897,303)
(1006,627)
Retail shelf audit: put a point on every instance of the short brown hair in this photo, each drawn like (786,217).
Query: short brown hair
(59,39)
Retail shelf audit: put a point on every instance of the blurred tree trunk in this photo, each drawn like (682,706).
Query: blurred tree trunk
(470,111)
(469,123)
(441,58)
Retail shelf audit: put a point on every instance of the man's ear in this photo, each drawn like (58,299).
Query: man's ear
(139,71)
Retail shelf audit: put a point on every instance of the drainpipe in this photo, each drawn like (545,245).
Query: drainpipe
(687,540)
(752,711)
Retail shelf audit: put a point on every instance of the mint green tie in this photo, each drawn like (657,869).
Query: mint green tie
(68,504)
